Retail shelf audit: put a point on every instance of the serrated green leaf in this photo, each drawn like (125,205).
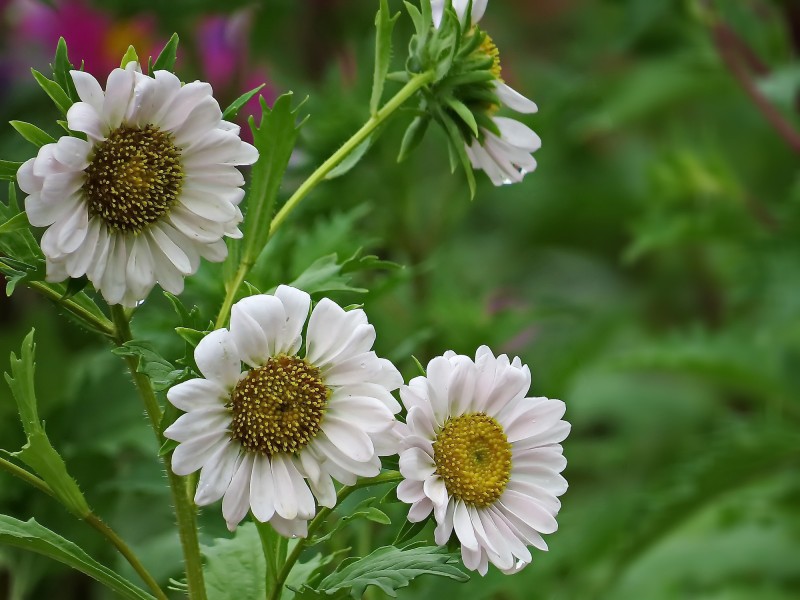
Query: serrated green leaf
(235,564)
(8,170)
(38,453)
(391,568)
(30,535)
(325,275)
(236,105)
(351,160)
(129,56)
(61,70)
(166,59)
(32,133)
(160,371)
(15,223)
(55,91)
(193,336)
(384,25)
(274,138)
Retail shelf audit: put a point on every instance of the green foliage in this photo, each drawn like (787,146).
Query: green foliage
(160,371)
(55,91)
(33,134)
(61,68)
(234,565)
(384,24)
(327,274)
(129,56)
(35,538)
(389,569)
(166,59)
(38,453)
(233,110)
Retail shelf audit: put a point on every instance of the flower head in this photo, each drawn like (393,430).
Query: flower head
(468,91)
(483,458)
(152,188)
(264,435)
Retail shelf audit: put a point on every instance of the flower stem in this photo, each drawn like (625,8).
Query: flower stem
(385,477)
(184,507)
(409,89)
(94,521)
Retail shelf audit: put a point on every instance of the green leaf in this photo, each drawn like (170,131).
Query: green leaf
(55,91)
(409,531)
(384,24)
(327,274)
(391,568)
(459,150)
(15,223)
(236,564)
(129,56)
(8,170)
(274,138)
(236,105)
(32,133)
(351,160)
(465,114)
(363,510)
(61,70)
(151,363)
(193,336)
(166,59)
(413,136)
(38,453)
(30,535)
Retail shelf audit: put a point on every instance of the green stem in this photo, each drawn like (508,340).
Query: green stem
(267,536)
(184,507)
(94,521)
(416,83)
(316,523)
(100,324)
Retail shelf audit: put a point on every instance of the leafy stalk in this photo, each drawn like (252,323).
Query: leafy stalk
(184,507)
(316,523)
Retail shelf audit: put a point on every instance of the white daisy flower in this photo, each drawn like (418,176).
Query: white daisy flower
(483,457)
(460,6)
(261,436)
(153,188)
(505,158)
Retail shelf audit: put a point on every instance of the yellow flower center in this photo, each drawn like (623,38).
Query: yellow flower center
(473,457)
(488,48)
(134,177)
(278,408)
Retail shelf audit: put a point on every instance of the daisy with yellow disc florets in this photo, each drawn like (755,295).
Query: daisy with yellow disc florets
(483,457)
(148,188)
(273,436)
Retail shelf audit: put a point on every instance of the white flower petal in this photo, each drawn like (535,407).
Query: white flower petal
(188,457)
(72,152)
(83,117)
(348,438)
(514,100)
(216,474)
(217,358)
(119,93)
(263,490)
(295,304)
(197,394)
(236,501)
(420,510)
(88,89)
(416,464)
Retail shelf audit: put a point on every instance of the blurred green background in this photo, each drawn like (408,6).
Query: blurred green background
(648,272)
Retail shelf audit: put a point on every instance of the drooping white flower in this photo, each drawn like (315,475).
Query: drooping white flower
(460,6)
(263,435)
(505,158)
(483,458)
(153,188)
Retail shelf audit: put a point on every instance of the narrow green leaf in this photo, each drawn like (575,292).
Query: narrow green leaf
(19,221)
(391,568)
(236,105)
(8,170)
(55,91)
(384,25)
(419,366)
(465,114)
(274,138)
(30,535)
(409,531)
(38,453)
(166,59)
(61,70)
(192,336)
(129,56)
(413,136)
(460,152)
(351,160)
(32,133)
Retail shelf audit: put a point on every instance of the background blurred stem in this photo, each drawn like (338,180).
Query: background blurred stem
(95,522)
(409,89)
(184,506)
